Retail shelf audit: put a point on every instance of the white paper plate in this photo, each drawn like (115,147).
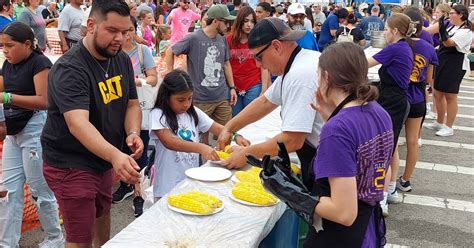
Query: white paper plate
(182,211)
(234,179)
(231,196)
(208,174)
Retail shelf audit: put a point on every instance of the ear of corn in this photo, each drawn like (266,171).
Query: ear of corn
(295,169)
(256,196)
(226,148)
(255,170)
(223,155)
(250,185)
(205,198)
(186,203)
(245,176)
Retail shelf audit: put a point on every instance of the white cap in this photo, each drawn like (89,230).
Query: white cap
(296,8)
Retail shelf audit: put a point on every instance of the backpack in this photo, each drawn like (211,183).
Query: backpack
(345,36)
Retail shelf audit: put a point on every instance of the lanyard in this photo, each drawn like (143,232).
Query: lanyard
(348,99)
(288,67)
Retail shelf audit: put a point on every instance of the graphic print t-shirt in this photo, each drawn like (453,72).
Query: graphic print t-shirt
(425,55)
(244,68)
(206,58)
(76,81)
(170,165)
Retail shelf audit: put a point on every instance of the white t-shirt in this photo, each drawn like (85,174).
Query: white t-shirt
(462,38)
(70,21)
(171,165)
(299,86)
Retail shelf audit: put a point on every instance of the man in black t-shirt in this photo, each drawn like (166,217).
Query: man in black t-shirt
(93,108)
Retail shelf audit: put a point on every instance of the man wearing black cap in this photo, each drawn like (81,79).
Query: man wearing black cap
(273,44)
(208,65)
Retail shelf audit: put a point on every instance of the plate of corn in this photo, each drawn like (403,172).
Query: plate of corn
(252,194)
(208,174)
(195,203)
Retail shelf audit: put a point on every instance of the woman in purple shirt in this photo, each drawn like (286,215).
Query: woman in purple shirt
(421,74)
(397,63)
(356,145)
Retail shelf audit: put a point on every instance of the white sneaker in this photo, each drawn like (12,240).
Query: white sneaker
(394,198)
(435,126)
(384,206)
(445,131)
(53,243)
(431,116)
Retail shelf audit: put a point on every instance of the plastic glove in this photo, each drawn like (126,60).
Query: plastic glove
(443,33)
(297,198)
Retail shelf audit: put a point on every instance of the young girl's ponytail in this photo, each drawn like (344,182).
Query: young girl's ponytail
(21,33)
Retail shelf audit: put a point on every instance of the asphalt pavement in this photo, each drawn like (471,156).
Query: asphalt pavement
(439,212)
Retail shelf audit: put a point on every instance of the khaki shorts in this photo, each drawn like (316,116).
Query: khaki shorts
(221,112)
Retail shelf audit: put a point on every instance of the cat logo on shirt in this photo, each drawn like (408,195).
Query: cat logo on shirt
(111,89)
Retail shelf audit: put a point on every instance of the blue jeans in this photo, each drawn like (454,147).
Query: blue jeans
(246,99)
(22,162)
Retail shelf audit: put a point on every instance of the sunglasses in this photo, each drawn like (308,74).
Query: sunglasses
(259,55)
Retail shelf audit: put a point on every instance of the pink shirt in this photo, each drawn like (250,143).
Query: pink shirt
(180,22)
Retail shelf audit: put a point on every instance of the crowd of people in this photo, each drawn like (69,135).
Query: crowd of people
(73,126)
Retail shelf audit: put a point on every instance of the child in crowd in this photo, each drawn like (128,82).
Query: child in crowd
(163,36)
(146,20)
(175,127)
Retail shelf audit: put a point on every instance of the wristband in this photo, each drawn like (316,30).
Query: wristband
(234,136)
(133,132)
(5,98)
(10,98)
(232,88)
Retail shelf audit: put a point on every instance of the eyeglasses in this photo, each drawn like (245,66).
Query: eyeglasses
(259,55)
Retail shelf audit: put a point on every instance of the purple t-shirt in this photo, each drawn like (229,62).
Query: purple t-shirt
(424,35)
(425,55)
(398,59)
(358,142)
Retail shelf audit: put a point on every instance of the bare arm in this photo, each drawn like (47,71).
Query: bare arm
(433,28)
(341,207)
(62,37)
(372,62)
(38,101)
(333,32)
(362,43)
(168,20)
(151,76)
(266,80)
(169,59)
(1,83)
(3,130)
(228,74)
(133,117)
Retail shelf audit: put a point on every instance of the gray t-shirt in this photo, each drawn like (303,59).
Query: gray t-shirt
(70,21)
(36,22)
(205,62)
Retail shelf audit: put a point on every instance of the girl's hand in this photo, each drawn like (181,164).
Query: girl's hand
(321,106)
(241,141)
(208,153)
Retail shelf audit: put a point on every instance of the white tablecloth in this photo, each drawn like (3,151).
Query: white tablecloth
(236,226)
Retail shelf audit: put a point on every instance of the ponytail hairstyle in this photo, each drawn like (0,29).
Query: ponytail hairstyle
(20,32)
(464,12)
(347,67)
(416,19)
(160,31)
(405,26)
(175,82)
(352,18)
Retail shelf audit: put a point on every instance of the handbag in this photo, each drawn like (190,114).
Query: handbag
(146,94)
(16,120)
(345,36)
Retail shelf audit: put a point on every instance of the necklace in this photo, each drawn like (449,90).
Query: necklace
(106,71)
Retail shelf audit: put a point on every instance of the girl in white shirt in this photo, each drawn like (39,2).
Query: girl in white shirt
(175,127)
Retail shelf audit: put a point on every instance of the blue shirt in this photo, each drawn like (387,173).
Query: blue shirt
(331,23)
(308,42)
(369,24)
(4,22)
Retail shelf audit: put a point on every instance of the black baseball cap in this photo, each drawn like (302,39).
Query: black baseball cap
(272,28)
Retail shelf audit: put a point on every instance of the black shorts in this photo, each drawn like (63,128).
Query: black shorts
(417,110)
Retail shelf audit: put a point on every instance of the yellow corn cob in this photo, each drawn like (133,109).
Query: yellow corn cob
(223,155)
(189,204)
(250,185)
(254,196)
(226,148)
(205,198)
(244,176)
(255,170)
(295,169)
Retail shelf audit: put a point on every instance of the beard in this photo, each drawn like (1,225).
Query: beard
(103,50)
(297,26)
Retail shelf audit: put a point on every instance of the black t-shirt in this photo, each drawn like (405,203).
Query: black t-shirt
(18,78)
(356,33)
(76,81)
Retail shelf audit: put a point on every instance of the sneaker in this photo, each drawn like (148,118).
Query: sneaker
(384,206)
(394,198)
(431,116)
(53,243)
(403,185)
(138,206)
(445,131)
(122,193)
(435,126)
